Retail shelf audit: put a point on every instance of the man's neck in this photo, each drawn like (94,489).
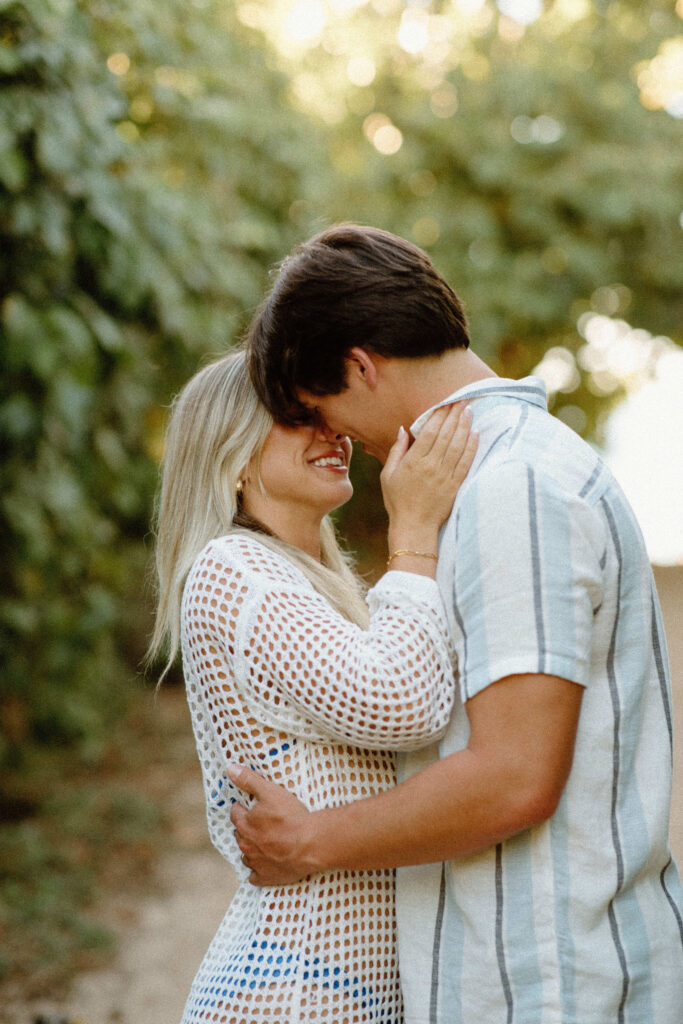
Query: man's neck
(438,377)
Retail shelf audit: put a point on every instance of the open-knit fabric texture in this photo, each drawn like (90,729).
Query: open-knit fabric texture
(278,680)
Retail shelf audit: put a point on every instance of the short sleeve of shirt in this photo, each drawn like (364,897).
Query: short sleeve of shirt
(528,578)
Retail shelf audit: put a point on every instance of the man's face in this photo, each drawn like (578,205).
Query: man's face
(360,415)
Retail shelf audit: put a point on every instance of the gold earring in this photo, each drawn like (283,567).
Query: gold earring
(240,486)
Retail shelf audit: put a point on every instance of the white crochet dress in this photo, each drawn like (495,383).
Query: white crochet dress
(278,680)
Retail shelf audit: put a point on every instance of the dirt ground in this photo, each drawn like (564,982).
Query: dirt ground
(161,938)
(164,936)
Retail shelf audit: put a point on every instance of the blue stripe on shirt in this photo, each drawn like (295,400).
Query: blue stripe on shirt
(521,956)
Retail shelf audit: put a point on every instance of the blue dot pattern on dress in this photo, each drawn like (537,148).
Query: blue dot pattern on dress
(217,797)
(262,964)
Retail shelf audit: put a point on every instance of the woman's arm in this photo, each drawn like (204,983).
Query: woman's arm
(390,686)
(420,483)
(300,664)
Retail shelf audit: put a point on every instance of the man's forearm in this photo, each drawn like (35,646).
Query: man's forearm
(451,809)
(509,778)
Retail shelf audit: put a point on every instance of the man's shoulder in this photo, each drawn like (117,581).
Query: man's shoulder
(542,448)
(512,494)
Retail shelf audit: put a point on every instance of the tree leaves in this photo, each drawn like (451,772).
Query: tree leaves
(134,232)
(156,159)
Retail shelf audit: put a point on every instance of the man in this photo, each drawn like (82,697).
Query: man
(545,891)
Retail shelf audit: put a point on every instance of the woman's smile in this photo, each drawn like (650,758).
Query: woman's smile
(335,459)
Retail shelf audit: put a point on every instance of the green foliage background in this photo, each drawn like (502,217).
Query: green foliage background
(158,156)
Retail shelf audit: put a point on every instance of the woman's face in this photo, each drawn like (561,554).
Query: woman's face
(304,470)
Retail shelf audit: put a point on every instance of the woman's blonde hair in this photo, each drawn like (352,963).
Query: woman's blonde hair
(216,427)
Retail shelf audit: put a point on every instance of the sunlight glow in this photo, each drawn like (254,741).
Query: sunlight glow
(306,21)
(118,63)
(344,6)
(643,434)
(251,15)
(572,10)
(361,71)
(618,355)
(522,11)
(181,81)
(311,95)
(558,370)
(660,80)
(471,6)
(426,231)
(444,100)
(413,33)
(385,136)
(510,31)
(387,140)
(615,355)
(643,449)
(543,129)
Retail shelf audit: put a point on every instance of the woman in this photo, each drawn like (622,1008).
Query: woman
(288,670)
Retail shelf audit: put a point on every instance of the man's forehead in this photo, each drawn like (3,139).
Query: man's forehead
(308,408)
(307,399)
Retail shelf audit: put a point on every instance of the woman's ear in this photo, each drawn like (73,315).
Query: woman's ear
(365,365)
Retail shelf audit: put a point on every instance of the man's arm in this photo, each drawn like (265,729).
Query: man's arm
(509,777)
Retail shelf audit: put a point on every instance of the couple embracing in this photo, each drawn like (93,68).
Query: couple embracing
(493,718)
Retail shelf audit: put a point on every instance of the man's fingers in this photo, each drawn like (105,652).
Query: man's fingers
(250,852)
(238,816)
(249,781)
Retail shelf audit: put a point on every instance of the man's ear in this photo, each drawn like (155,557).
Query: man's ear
(365,364)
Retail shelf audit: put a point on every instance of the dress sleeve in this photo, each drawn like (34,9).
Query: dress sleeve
(305,669)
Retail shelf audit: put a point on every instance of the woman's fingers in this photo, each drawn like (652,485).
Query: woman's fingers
(428,437)
(443,438)
(397,451)
(457,444)
(451,440)
(420,482)
(465,460)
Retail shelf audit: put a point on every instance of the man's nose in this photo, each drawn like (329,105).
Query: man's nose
(326,433)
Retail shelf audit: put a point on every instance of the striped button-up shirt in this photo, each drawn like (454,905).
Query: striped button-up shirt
(543,570)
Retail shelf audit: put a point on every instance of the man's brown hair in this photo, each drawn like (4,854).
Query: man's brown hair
(348,285)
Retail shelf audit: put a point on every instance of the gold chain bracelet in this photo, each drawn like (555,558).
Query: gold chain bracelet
(415,554)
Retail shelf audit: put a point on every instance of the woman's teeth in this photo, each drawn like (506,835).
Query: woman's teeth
(330,460)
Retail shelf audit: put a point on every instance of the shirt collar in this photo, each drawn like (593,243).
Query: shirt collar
(528,389)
